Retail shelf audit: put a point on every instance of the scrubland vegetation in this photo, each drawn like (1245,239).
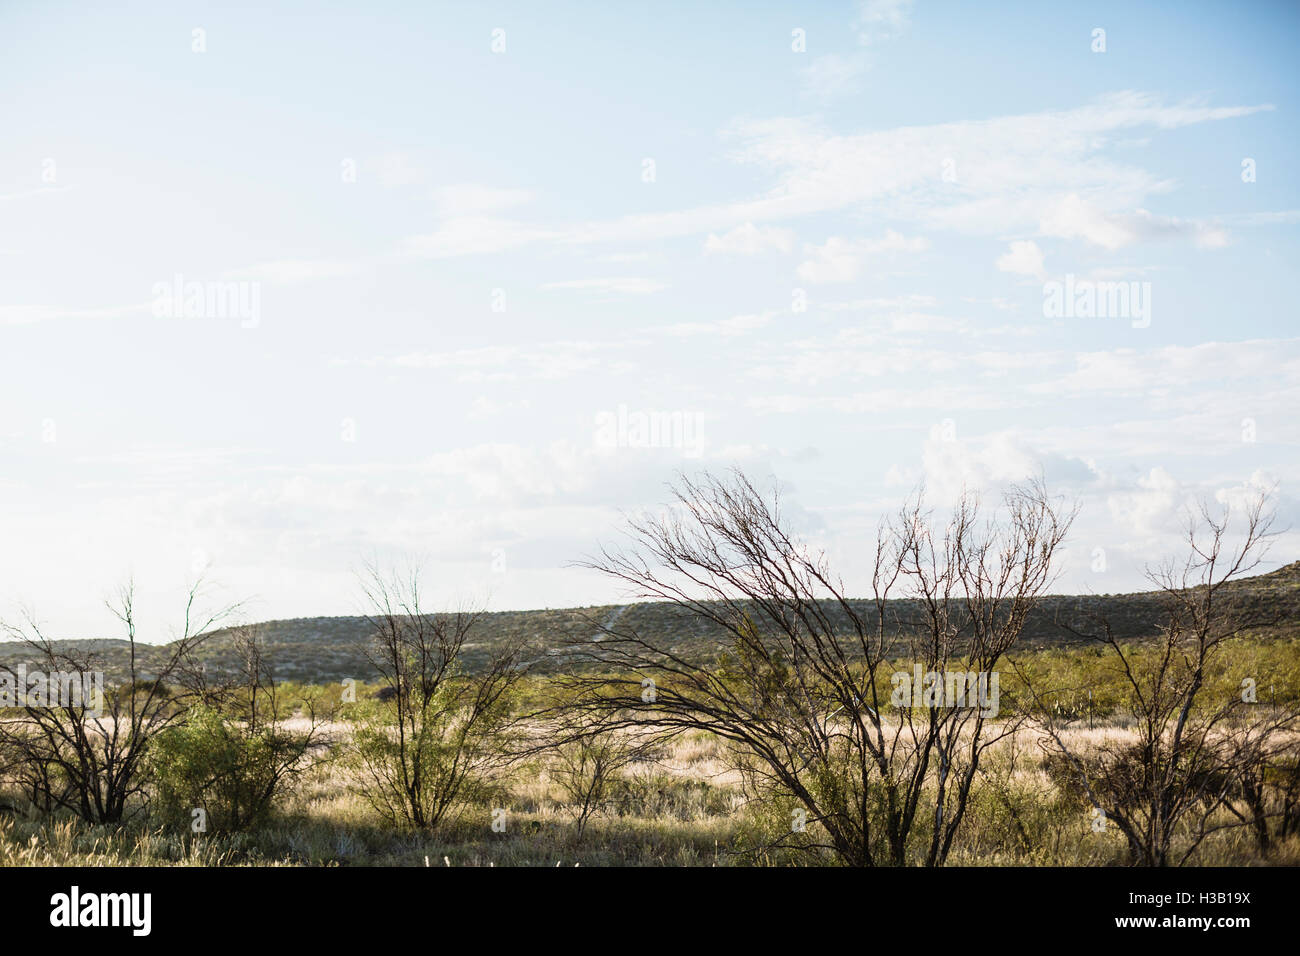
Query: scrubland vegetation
(686,807)
(783,740)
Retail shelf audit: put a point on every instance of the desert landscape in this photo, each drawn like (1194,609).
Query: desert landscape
(752,715)
(564,472)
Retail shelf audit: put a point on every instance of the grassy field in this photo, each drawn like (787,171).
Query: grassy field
(687,807)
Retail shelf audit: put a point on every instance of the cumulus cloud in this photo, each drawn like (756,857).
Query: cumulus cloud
(952,464)
(1023,258)
(1155,507)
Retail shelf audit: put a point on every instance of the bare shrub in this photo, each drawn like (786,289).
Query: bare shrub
(89,757)
(1195,752)
(589,760)
(802,687)
(434,745)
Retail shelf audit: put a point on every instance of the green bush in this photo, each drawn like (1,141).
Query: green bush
(216,764)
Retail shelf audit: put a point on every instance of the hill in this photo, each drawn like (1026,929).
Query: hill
(325,649)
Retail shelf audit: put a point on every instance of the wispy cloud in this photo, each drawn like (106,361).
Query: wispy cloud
(735,325)
(750,240)
(841,260)
(1036,174)
(290,271)
(610,285)
(879,20)
(30,314)
(545,360)
(830,74)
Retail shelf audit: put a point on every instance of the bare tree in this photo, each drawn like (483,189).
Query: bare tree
(587,759)
(801,691)
(88,755)
(435,743)
(1194,753)
(1264,777)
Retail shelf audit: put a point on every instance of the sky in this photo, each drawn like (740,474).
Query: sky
(286,288)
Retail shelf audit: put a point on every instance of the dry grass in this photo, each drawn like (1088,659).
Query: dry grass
(686,808)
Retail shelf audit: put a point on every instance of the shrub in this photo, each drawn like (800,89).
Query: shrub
(434,739)
(223,767)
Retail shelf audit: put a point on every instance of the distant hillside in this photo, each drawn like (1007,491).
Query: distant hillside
(321,649)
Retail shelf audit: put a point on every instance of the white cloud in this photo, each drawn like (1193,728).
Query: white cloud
(735,325)
(1023,258)
(1134,371)
(488,407)
(470,199)
(288,271)
(1155,507)
(897,302)
(29,314)
(470,224)
(1279,217)
(750,240)
(614,285)
(1203,234)
(880,402)
(882,19)
(1014,174)
(28,193)
(833,73)
(625,257)
(475,235)
(952,464)
(841,260)
(398,169)
(1071,217)
(497,363)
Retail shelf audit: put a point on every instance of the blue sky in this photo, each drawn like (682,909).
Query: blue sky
(819,235)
